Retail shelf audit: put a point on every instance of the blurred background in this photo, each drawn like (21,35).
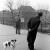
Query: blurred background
(11,10)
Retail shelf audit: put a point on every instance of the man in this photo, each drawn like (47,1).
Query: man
(33,25)
(18,26)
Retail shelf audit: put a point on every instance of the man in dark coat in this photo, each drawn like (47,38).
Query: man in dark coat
(33,25)
(18,26)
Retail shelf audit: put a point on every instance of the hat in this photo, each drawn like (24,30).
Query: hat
(40,14)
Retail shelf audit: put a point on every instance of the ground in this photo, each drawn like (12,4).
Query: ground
(42,41)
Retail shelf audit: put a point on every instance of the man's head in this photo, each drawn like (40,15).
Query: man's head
(40,14)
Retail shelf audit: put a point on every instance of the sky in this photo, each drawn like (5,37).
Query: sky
(37,4)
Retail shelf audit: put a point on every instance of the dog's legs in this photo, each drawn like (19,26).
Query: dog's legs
(13,46)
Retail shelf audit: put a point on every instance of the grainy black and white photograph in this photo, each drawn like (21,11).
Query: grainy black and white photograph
(24,24)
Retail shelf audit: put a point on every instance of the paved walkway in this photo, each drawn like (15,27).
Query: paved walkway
(42,41)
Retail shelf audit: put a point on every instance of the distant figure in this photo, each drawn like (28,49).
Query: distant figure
(33,25)
(18,26)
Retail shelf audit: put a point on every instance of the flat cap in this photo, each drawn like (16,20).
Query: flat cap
(40,14)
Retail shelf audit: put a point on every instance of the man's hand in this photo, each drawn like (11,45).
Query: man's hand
(29,29)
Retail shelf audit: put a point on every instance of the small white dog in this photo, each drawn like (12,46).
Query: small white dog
(9,43)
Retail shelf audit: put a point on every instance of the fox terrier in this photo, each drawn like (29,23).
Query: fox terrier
(10,43)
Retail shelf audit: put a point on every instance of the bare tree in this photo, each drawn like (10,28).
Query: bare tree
(19,3)
(10,6)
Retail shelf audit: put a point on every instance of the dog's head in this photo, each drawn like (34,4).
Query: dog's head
(13,43)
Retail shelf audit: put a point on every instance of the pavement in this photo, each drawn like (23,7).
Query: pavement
(42,41)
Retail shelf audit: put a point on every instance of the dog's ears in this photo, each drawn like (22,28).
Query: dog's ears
(13,40)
